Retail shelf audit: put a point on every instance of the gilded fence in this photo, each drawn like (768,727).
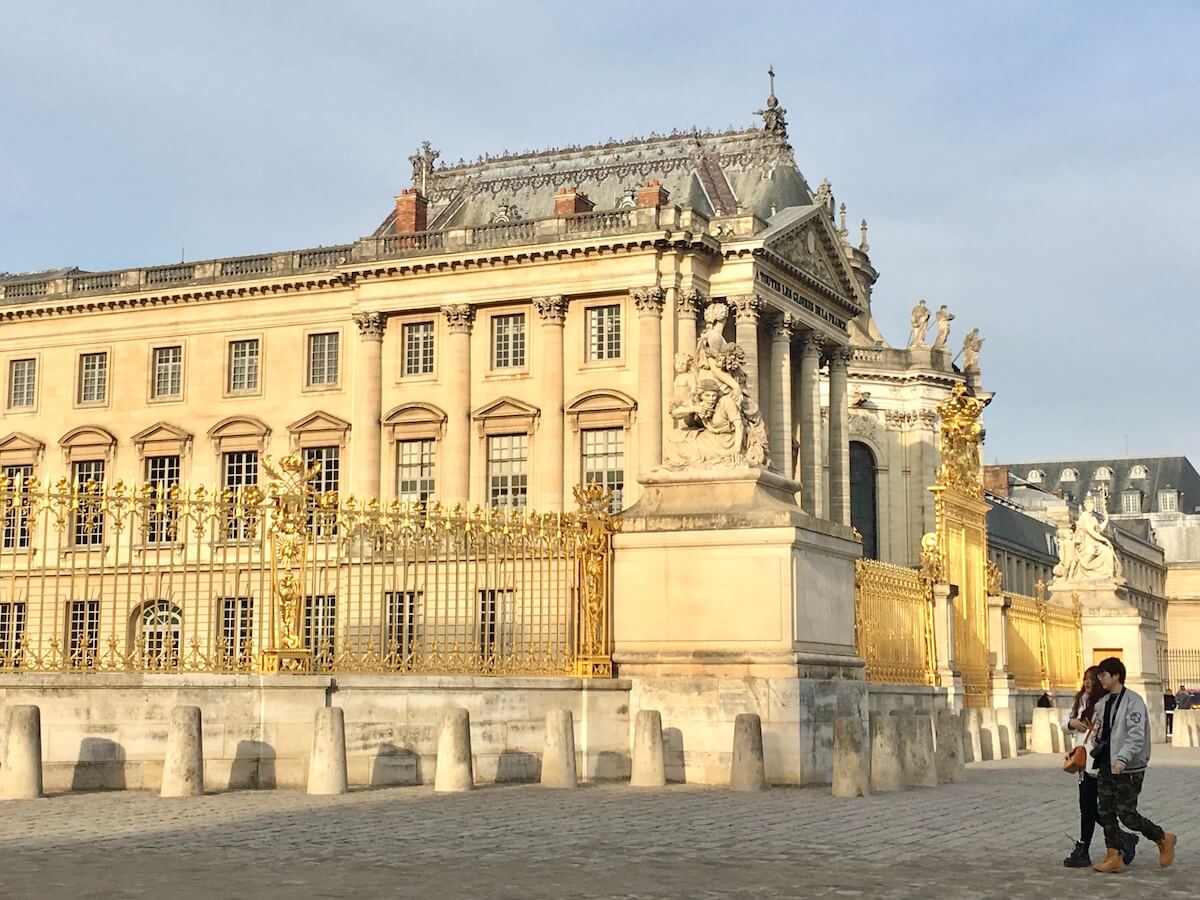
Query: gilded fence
(277,577)
(893,623)
(1043,642)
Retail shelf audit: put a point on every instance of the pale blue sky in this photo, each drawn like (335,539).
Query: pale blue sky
(1033,165)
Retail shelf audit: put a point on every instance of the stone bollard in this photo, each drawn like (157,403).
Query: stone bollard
(970,752)
(558,754)
(887,768)
(327,764)
(454,772)
(21,775)
(851,759)
(916,748)
(746,771)
(1191,727)
(988,734)
(183,767)
(1181,729)
(1044,723)
(972,734)
(1006,734)
(648,769)
(948,760)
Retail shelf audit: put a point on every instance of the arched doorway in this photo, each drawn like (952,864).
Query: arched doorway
(864,503)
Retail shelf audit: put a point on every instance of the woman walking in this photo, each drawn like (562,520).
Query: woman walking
(1080,723)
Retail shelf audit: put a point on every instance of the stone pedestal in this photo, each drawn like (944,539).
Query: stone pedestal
(1114,626)
(729,599)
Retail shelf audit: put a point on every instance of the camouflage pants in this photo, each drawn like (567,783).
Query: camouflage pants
(1118,797)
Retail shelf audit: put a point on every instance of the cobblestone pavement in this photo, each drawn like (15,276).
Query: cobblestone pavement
(1003,833)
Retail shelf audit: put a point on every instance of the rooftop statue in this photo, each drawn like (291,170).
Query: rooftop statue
(719,424)
(944,318)
(970,352)
(1089,555)
(920,325)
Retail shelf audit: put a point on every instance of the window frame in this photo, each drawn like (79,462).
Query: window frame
(406,328)
(1131,499)
(1173,505)
(80,362)
(230,391)
(420,464)
(490,478)
(83,644)
(154,396)
(618,496)
(95,508)
(238,530)
(591,309)
(15,528)
(510,368)
(25,408)
(310,337)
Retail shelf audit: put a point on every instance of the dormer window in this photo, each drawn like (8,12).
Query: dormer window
(1068,475)
(1168,501)
(1131,502)
(1104,473)
(1035,476)
(1139,472)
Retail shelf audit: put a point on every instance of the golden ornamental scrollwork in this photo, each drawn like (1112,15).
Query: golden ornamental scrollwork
(596,528)
(962,438)
(995,579)
(933,560)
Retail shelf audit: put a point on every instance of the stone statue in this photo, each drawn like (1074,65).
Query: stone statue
(1088,555)
(920,325)
(717,421)
(970,351)
(944,318)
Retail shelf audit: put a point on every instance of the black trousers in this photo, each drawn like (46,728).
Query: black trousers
(1089,788)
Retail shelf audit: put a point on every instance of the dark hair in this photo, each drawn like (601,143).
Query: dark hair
(1085,708)
(1114,667)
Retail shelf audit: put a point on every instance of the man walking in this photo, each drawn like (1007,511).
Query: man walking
(1122,752)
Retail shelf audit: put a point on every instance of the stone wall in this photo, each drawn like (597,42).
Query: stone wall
(109,731)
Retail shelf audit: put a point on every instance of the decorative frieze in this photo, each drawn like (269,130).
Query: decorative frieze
(925,419)
(551,309)
(371,325)
(459,317)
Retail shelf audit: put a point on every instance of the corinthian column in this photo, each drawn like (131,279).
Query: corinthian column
(780,437)
(368,404)
(455,486)
(548,492)
(689,305)
(749,308)
(810,423)
(839,437)
(649,302)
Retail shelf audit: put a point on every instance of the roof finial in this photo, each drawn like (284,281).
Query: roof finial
(773,116)
(864,246)
(771,99)
(842,221)
(422,163)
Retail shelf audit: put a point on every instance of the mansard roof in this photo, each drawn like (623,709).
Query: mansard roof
(1162,473)
(715,173)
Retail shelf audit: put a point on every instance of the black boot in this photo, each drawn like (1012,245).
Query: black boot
(1079,858)
(1129,848)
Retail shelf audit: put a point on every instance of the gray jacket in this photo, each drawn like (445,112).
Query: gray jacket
(1130,739)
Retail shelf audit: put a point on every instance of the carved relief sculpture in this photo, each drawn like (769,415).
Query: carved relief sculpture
(920,325)
(944,318)
(683,388)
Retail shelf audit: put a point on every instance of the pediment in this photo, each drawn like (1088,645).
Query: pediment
(162,433)
(601,401)
(507,414)
(239,426)
(88,436)
(812,245)
(415,414)
(19,442)
(319,421)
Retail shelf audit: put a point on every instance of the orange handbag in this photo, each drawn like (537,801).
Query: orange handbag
(1076,760)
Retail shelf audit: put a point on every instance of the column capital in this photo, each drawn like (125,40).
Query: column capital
(810,344)
(691,301)
(783,327)
(749,306)
(460,317)
(839,357)
(371,325)
(551,310)
(649,300)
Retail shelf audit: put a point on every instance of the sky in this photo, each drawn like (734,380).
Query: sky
(1032,165)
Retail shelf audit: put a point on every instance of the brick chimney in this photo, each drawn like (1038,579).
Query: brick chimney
(652,194)
(995,480)
(571,200)
(412,212)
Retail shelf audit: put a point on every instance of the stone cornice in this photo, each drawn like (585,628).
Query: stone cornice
(848,306)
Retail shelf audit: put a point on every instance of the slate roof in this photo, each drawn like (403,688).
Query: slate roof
(1162,473)
(1013,529)
(715,173)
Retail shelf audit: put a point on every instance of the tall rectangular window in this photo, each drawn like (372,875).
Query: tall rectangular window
(12,634)
(168,373)
(83,633)
(243,366)
(237,632)
(400,626)
(88,519)
(16,515)
(1168,501)
(604,461)
(162,474)
(22,383)
(320,628)
(323,359)
(491,609)
(1131,502)
(508,483)
(323,519)
(508,341)
(93,378)
(604,332)
(415,481)
(239,469)
(418,348)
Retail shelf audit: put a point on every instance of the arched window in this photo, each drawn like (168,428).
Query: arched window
(1068,475)
(1139,472)
(1104,473)
(159,634)
(1034,476)
(864,513)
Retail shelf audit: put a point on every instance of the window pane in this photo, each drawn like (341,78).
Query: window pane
(168,372)
(507,478)
(508,341)
(162,474)
(320,628)
(237,632)
(323,358)
(161,634)
(323,519)
(83,636)
(16,515)
(22,382)
(604,332)
(239,470)
(12,634)
(243,365)
(604,462)
(418,348)
(88,519)
(415,482)
(400,626)
(93,377)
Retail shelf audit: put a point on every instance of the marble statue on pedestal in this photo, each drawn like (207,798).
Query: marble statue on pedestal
(1088,555)
(717,421)
(920,325)
(972,344)
(944,318)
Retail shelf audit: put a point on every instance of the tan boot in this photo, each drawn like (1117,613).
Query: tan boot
(1112,862)
(1166,849)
